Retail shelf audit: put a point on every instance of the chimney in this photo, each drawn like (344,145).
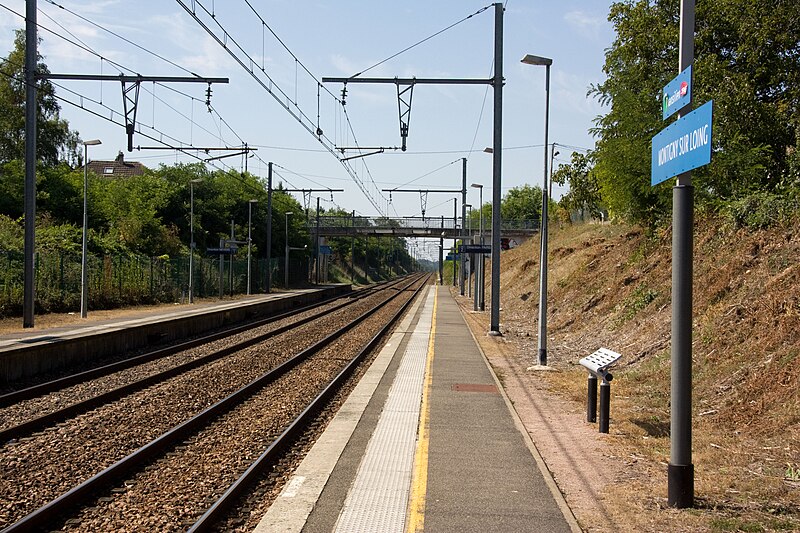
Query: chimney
(120,158)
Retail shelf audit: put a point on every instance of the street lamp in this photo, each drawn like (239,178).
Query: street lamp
(286,259)
(546,62)
(249,238)
(84,286)
(191,238)
(479,304)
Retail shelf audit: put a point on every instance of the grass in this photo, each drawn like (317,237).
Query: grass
(746,366)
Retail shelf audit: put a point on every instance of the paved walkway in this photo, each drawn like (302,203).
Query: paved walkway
(430,444)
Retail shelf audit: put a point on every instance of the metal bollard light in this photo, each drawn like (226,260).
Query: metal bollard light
(598,365)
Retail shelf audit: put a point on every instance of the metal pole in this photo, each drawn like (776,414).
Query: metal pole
(463,269)
(455,241)
(468,271)
(353,250)
(29,285)
(221,269)
(249,240)
(84,286)
(191,241)
(605,409)
(230,274)
(286,254)
(441,253)
(680,471)
(482,285)
(543,233)
(269,228)
(478,259)
(316,275)
(553,154)
(497,153)
(591,398)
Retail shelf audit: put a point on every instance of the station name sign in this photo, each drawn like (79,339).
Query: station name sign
(475,249)
(682,146)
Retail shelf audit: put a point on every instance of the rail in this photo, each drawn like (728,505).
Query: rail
(25,428)
(67,501)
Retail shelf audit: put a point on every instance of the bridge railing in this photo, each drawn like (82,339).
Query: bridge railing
(414,223)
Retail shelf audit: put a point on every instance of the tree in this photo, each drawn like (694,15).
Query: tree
(522,203)
(55,141)
(129,210)
(637,65)
(747,61)
(584,191)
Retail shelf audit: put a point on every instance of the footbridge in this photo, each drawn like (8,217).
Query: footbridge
(441,227)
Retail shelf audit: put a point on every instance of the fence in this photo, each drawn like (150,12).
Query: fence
(115,281)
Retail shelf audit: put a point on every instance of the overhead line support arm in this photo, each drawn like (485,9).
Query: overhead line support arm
(412,81)
(130,91)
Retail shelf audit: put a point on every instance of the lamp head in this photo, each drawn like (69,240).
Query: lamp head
(92,142)
(537,60)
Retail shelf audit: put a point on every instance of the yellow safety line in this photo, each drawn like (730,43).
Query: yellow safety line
(419,484)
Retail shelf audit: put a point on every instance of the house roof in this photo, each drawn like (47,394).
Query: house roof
(118,168)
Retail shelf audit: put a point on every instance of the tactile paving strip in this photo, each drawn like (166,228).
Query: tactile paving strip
(378,499)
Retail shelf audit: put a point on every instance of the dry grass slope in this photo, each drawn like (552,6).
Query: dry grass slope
(610,286)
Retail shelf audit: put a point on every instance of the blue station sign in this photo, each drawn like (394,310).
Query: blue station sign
(682,146)
(677,94)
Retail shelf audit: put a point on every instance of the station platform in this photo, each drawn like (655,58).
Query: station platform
(34,351)
(427,441)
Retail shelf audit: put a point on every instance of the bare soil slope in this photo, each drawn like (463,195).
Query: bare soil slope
(610,286)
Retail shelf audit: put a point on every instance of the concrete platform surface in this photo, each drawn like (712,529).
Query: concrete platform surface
(472,469)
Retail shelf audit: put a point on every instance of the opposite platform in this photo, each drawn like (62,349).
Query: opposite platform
(31,352)
(469,468)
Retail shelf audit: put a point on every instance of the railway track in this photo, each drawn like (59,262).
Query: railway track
(189,460)
(40,406)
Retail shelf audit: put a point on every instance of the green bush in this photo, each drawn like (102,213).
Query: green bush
(761,209)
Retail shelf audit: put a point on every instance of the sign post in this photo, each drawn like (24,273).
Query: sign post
(679,148)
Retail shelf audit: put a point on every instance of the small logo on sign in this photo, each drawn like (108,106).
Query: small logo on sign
(684,88)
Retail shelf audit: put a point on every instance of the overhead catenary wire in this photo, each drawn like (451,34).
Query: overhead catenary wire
(428,173)
(404,50)
(85,47)
(117,35)
(230,44)
(177,145)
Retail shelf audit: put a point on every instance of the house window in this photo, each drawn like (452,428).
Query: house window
(108,170)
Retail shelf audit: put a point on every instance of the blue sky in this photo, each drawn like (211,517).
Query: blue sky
(337,39)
